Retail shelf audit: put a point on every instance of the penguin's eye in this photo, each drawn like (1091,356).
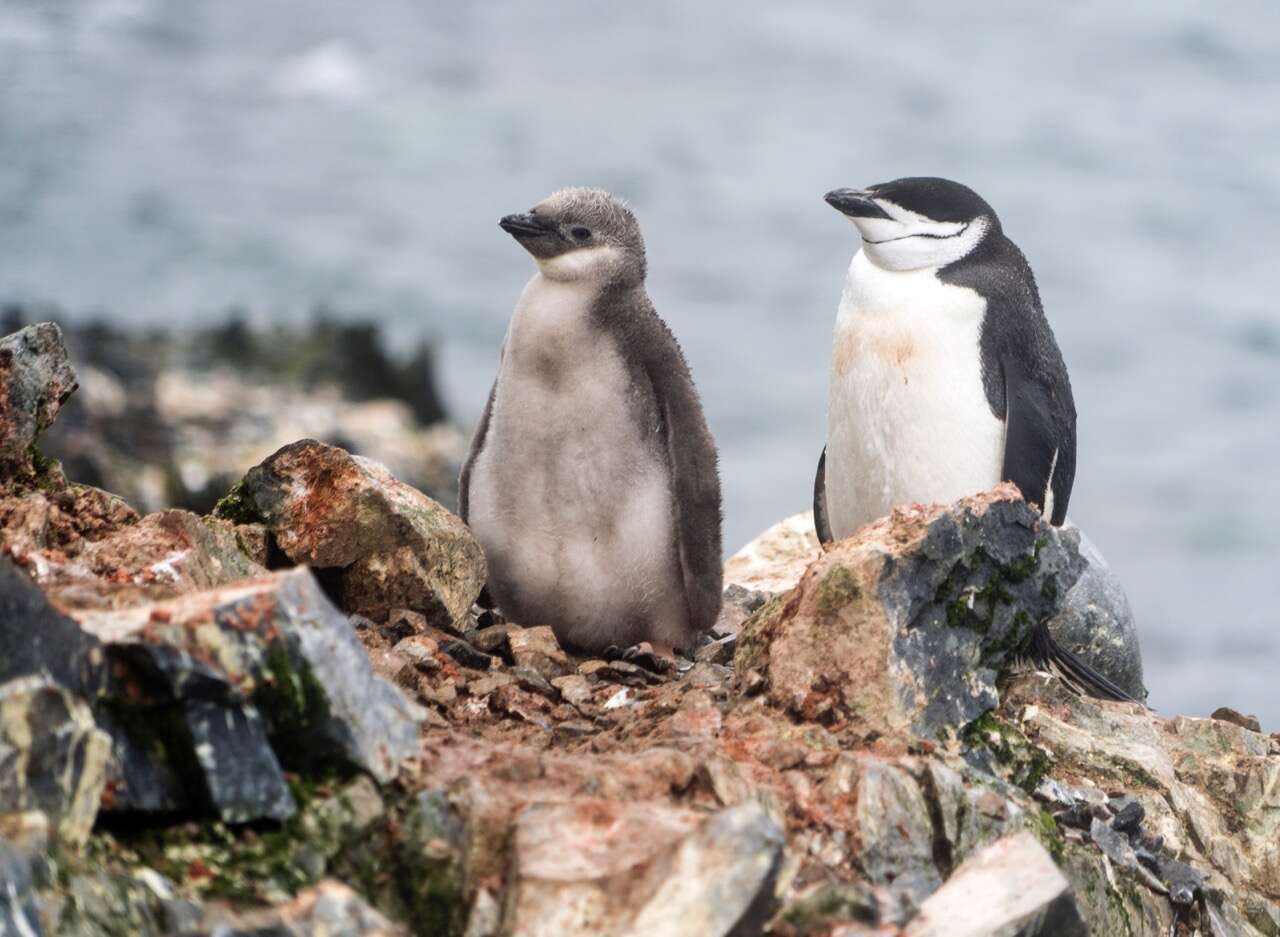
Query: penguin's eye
(580,233)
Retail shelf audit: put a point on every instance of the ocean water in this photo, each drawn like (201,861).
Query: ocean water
(160,162)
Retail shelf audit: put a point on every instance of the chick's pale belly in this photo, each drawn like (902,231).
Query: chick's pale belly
(908,419)
(571,504)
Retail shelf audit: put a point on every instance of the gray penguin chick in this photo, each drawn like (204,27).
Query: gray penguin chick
(592,481)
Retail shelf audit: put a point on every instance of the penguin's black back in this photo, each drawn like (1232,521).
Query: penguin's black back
(1024,376)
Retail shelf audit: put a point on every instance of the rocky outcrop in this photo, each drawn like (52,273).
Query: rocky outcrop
(172,420)
(36,378)
(906,626)
(389,546)
(855,748)
(1093,619)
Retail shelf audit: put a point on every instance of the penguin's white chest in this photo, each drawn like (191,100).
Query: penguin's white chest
(568,496)
(907,419)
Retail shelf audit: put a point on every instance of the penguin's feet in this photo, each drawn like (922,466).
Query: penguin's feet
(656,658)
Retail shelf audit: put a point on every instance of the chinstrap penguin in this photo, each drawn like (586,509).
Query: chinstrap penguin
(592,479)
(945,376)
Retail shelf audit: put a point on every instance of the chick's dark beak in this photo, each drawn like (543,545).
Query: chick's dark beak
(526,225)
(855,204)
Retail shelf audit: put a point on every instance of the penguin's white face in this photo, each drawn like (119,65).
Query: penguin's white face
(915,224)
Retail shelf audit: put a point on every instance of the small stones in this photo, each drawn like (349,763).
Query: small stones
(466,655)
(719,651)
(421,651)
(537,649)
(486,685)
(574,689)
(495,640)
(403,623)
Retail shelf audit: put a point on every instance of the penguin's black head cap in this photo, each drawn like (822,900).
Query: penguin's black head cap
(917,222)
(581,233)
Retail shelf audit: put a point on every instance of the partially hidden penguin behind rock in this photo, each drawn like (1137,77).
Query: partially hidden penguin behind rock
(592,481)
(945,376)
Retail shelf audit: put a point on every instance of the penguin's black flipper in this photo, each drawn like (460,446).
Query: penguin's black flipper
(1048,654)
(1040,439)
(821,522)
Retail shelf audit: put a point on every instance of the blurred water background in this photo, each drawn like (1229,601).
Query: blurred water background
(160,162)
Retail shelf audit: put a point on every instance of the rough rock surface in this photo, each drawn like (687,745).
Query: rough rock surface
(777,783)
(36,378)
(52,756)
(162,555)
(612,869)
(906,625)
(393,546)
(273,646)
(1010,887)
(1097,624)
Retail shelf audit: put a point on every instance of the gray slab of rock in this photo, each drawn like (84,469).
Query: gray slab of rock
(721,880)
(36,638)
(1010,888)
(1096,623)
(241,773)
(905,627)
(896,837)
(609,869)
(36,378)
(275,644)
(52,757)
(396,547)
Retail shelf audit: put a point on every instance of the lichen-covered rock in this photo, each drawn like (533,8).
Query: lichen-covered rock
(906,625)
(36,378)
(1009,887)
(52,756)
(394,546)
(60,521)
(273,644)
(609,869)
(1096,623)
(1201,817)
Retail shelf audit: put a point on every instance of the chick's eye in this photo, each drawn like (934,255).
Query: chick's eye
(581,233)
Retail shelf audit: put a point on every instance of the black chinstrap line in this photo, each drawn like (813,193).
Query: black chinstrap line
(936,237)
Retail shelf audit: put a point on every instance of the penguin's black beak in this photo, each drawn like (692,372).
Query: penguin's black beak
(853,203)
(526,225)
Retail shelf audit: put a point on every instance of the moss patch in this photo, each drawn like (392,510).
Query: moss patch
(753,638)
(1022,763)
(237,507)
(836,589)
(295,707)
